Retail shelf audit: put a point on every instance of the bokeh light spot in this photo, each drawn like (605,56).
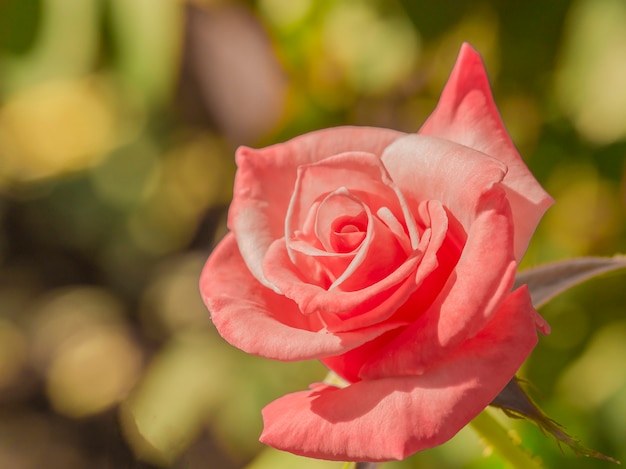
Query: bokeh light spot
(285,14)
(591,77)
(54,128)
(171,302)
(92,372)
(127,175)
(600,371)
(376,52)
(83,347)
(587,212)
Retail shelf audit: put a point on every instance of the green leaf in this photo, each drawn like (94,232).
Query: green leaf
(516,403)
(548,280)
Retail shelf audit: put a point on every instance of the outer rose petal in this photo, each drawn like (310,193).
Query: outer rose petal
(258,321)
(265,177)
(467,114)
(393,418)
(429,168)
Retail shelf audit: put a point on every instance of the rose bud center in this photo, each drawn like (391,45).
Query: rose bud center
(347,234)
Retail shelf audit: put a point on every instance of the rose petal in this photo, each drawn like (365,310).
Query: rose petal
(341,222)
(378,253)
(265,176)
(258,321)
(441,255)
(467,114)
(362,178)
(467,183)
(358,173)
(428,168)
(479,283)
(313,249)
(373,303)
(393,418)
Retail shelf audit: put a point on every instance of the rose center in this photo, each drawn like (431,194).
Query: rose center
(347,234)
(341,222)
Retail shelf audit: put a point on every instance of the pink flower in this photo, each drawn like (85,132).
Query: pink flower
(391,258)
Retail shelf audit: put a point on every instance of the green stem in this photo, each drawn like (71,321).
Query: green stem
(498,437)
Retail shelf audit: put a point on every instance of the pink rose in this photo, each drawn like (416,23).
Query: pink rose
(391,258)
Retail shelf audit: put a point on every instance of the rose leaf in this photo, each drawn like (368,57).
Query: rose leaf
(548,280)
(516,403)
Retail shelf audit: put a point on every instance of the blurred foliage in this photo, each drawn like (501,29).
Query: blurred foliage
(118,124)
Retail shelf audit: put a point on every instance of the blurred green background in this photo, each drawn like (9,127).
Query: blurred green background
(118,124)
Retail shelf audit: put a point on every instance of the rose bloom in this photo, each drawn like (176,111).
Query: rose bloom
(391,258)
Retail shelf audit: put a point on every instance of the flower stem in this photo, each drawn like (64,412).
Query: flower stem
(497,436)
